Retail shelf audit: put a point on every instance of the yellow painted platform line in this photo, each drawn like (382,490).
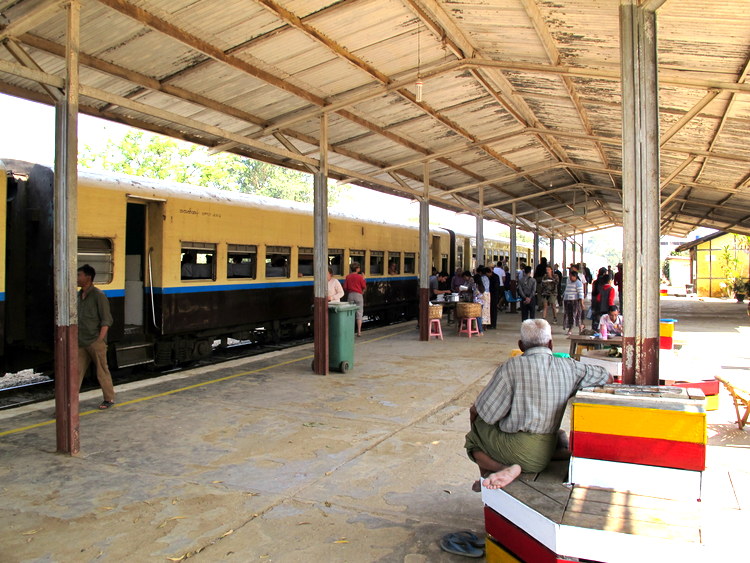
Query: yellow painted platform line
(186,388)
(640,423)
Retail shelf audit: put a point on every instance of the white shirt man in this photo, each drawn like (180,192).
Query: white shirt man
(500,273)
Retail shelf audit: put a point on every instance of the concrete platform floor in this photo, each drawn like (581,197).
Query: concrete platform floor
(260,460)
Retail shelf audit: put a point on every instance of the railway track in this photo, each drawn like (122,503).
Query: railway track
(35,392)
(30,393)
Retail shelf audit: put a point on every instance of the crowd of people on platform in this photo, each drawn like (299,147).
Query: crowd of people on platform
(543,291)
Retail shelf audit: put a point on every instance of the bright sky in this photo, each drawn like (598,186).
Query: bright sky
(29,135)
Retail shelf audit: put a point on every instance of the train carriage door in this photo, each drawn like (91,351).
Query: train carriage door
(135,244)
(436,255)
(136,347)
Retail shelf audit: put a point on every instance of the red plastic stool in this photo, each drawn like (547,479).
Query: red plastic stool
(468,326)
(435,329)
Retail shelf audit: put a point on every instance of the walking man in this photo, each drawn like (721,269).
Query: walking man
(527,292)
(94,320)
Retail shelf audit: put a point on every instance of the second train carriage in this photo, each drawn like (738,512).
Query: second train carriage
(184,266)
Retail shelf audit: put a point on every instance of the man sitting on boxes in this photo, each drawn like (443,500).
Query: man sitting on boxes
(516,418)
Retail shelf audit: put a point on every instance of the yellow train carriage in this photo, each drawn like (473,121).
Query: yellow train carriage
(183,266)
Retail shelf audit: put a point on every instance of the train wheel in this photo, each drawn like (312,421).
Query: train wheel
(344,367)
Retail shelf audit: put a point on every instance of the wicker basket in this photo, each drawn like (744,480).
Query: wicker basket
(435,312)
(468,310)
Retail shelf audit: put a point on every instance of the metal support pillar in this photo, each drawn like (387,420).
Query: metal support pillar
(536,242)
(641,197)
(513,263)
(573,249)
(551,261)
(480,230)
(564,256)
(424,257)
(66,245)
(320,254)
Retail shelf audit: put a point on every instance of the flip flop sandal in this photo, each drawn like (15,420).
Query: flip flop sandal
(469,537)
(459,547)
(106,404)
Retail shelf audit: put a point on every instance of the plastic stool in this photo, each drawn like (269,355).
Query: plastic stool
(435,329)
(468,326)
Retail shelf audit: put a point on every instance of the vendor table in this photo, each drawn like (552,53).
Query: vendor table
(590,343)
(600,358)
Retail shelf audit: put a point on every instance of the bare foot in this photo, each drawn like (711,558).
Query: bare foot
(502,478)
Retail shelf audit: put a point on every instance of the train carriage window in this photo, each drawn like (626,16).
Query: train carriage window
(359,257)
(336,260)
(242,260)
(443,262)
(394,263)
(277,261)
(410,262)
(460,256)
(376,262)
(305,262)
(97,253)
(198,261)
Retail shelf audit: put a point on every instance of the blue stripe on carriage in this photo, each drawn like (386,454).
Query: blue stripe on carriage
(114,292)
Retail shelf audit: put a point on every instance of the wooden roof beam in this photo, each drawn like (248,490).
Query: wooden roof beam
(193,42)
(28,15)
(444,27)
(724,118)
(665,78)
(448,151)
(145,83)
(548,42)
(20,54)
(689,115)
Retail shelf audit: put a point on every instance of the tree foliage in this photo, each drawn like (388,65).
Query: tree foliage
(155,156)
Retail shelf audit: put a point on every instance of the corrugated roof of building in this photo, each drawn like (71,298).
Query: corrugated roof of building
(521,97)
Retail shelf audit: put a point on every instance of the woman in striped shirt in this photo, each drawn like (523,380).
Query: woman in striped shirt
(573,303)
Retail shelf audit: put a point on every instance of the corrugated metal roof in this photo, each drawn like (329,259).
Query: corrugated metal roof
(499,121)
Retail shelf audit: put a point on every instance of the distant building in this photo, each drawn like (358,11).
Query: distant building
(707,263)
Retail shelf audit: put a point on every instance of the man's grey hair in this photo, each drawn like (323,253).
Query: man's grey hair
(535,332)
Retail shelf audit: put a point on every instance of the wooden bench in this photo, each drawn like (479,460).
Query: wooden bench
(741,398)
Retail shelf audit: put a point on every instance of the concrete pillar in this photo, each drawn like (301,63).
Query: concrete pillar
(66,244)
(641,197)
(513,262)
(424,256)
(480,229)
(536,249)
(564,263)
(551,261)
(320,254)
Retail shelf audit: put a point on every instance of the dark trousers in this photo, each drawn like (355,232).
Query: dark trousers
(494,302)
(528,310)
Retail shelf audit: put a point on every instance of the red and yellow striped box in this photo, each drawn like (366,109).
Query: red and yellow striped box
(662,429)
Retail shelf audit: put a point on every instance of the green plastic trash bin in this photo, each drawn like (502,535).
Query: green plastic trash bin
(341,336)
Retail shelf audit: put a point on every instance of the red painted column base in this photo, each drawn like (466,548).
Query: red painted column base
(66,390)
(424,313)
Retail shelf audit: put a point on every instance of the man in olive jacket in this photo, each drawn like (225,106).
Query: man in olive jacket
(94,320)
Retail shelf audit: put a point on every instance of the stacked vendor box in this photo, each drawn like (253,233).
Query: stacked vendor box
(633,485)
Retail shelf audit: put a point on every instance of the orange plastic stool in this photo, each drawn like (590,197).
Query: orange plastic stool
(436,329)
(468,326)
